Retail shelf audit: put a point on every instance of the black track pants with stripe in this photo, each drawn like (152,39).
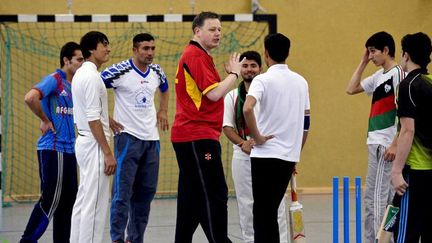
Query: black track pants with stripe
(414,219)
(59,185)
(202,192)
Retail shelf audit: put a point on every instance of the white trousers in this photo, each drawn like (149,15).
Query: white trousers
(242,177)
(91,206)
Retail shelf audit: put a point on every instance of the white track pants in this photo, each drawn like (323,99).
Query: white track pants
(91,206)
(241,172)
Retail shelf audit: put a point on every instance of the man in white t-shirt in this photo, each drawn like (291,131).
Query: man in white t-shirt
(279,133)
(136,142)
(93,154)
(381,141)
(237,132)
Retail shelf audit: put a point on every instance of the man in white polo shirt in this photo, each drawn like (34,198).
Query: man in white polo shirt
(279,134)
(237,132)
(94,156)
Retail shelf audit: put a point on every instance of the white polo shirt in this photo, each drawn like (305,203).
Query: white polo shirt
(90,99)
(283,97)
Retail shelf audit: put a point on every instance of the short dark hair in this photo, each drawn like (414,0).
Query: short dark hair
(90,41)
(142,37)
(380,40)
(252,55)
(198,21)
(277,46)
(68,51)
(419,48)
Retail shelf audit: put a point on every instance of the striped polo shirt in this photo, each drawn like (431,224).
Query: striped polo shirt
(382,118)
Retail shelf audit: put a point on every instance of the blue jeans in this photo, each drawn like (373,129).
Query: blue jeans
(134,186)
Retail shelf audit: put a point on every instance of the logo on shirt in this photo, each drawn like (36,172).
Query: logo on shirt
(63,110)
(207,156)
(144,82)
(63,93)
(387,88)
(143,97)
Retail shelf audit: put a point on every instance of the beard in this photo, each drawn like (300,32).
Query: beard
(249,76)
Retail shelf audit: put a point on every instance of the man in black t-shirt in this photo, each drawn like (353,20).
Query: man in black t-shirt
(414,150)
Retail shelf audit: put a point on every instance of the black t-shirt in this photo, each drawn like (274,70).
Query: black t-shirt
(415,101)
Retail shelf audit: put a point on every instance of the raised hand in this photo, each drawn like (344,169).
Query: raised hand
(234,64)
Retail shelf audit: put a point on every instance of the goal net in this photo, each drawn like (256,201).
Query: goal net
(29,50)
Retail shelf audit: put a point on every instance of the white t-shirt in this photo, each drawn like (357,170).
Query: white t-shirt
(229,120)
(90,99)
(283,97)
(134,93)
(382,119)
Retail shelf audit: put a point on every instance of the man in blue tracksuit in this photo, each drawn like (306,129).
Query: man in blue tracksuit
(51,101)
